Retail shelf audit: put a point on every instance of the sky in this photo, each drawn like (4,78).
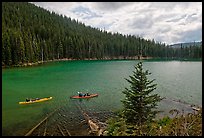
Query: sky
(165,22)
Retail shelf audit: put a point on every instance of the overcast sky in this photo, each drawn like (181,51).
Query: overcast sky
(166,22)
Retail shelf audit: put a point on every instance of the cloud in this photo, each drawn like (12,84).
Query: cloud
(177,18)
(191,35)
(168,22)
(110,6)
(142,22)
(58,7)
(85,13)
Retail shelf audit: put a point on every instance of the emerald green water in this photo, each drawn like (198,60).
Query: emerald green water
(175,79)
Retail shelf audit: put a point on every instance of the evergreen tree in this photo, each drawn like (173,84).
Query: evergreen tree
(140,104)
(27,28)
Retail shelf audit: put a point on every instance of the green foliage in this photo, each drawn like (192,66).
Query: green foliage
(164,121)
(27,30)
(119,127)
(182,125)
(138,116)
(116,127)
(140,104)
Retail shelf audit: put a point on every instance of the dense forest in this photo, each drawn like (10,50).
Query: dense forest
(31,34)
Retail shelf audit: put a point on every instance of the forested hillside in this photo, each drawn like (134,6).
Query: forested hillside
(31,34)
(178,45)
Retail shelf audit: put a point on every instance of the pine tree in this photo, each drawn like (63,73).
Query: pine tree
(139,104)
(27,27)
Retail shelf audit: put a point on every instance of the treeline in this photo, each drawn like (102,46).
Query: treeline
(31,34)
(188,52)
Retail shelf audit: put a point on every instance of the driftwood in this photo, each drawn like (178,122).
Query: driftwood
(31,131)
(68,132)
(95,128)
(44,134)
(60,130)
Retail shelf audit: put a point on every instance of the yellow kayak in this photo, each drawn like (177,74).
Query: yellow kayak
(36,100)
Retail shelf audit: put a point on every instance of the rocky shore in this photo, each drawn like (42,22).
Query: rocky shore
(70,59)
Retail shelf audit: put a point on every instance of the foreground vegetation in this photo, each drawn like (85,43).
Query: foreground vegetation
(180,125)
(137,118)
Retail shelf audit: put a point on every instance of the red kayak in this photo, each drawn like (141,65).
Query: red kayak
(84,97)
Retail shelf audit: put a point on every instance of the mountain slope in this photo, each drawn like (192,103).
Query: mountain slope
(178,45)
(32,34)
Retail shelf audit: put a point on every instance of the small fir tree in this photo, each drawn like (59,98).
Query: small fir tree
(139,104)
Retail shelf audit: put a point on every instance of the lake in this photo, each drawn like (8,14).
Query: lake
(176,80)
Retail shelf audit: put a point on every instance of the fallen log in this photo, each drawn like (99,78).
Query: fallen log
(95,128)
(60,130)
(44,134)
(68,132)
(31,131)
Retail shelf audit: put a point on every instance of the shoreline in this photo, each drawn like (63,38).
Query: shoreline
(105,58)
(71,59)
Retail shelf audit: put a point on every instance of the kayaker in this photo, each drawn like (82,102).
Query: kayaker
(27,100)
(80,94)
(87,94)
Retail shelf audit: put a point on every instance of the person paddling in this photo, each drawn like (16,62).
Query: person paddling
(80,94)
(27,100)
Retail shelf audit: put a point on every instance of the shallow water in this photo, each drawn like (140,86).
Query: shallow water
(175,80)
